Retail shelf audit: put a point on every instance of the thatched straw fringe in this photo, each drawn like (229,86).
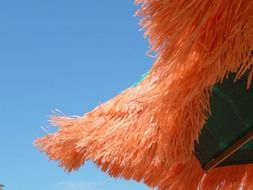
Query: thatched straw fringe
(147,133)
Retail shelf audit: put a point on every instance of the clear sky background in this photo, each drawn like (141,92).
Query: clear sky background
(65,54)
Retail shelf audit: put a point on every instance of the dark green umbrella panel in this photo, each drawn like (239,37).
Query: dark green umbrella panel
(226,137)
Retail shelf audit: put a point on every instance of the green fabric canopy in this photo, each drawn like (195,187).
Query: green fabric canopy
(231,119)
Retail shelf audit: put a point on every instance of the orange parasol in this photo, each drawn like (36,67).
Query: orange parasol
(150,132)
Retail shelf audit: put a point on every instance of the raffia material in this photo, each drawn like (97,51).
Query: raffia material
(147,133)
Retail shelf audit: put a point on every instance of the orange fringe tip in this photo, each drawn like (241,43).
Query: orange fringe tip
(147,132)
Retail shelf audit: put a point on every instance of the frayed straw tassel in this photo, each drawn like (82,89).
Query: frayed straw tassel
(147,133)
(190,176)
(135,130)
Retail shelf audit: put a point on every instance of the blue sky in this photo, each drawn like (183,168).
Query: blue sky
(69,55)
